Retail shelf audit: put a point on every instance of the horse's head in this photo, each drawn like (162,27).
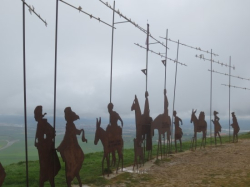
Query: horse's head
(98,130)
(193,116)
(134,103)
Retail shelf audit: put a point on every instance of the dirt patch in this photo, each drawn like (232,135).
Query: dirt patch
(226,165)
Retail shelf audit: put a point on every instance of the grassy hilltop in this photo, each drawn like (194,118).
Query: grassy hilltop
(91,168)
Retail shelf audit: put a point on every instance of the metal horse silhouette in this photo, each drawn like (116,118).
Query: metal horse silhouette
(200,125)
(69,148)
(110,144)
(44,141)
(217,127)
(162,123)
(2,174)
(236,127)
(178,131)
(142,127)
(138,152)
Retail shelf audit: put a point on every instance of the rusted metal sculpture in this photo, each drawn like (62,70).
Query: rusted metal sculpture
(44,141)
(114,131)
(138,152)
(200,125)
(147,125)
(143,123)
(217,127)
(111,140)
(162,123)
(236,127)
(2,174)
(178,131)
(69,148)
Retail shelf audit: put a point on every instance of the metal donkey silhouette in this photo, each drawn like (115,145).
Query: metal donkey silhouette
(69,148)
(200,125)
(111,143)
(217,127)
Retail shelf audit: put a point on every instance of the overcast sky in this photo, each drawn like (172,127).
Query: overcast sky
(84,50)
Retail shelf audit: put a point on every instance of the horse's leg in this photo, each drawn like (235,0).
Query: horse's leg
(160,145)
(195,139)
(79,179)
(236,137)
(220,138)
(113,159)
(215,134)
(180,145)
(202,139)
(119,154)
(205,133)
(175,145)
(164,148)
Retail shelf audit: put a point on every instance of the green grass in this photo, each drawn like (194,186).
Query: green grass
(91,169)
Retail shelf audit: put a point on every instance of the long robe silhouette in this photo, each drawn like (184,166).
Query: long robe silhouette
(69,148)
(44,141)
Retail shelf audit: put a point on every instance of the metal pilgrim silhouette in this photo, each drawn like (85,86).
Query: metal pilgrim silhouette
(178,131)
(2,174)
(217,127)
(200,125)
(69,148)
(111,139)
(236,127)
(44,141)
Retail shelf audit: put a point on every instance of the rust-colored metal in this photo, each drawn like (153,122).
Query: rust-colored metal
(111,140)
(138,152)
(162,123)
(2,174)
(178,131)
(143,123)
(200,125)
(44,141)
(217,127)
(236,127)
(69,148)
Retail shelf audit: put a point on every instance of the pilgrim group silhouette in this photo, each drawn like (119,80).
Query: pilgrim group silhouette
(111,139)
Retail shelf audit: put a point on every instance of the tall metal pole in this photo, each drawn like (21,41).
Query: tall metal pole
(24,94)
(166,58)
(112,43)
(174,90)
(211,92)
(229,96)
(147,57)
(55,76)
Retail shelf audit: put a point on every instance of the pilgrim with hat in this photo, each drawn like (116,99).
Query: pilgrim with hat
(69,148)
(44,141)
